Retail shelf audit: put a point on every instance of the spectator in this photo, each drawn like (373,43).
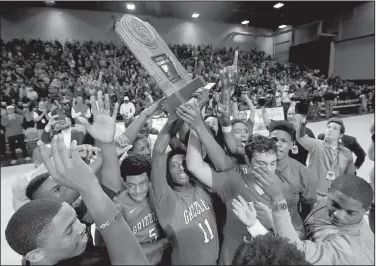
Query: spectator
(40,118)
(127,110)
(329,98)
(12,123)
(352,144)
(80,109)
(329,158)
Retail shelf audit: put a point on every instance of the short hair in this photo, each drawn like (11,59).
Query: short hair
(338,121)
(269,250)
(28,227)
(354,187)
(284,126)
(260,144)
(235,121)
(135,164)
(139,137)
(35,184)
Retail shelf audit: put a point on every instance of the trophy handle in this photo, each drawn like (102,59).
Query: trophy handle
(181,96)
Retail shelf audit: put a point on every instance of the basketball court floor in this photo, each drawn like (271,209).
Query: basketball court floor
(357,126)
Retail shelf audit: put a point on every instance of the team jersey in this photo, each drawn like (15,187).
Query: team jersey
(188,220)
(143,221)
(229,185)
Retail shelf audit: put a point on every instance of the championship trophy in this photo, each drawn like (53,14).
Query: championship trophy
(157,59)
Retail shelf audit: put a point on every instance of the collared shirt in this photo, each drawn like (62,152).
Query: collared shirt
(327,244)
(323,158)
(299,185)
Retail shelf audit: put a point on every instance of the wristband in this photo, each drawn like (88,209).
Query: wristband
(109,222)
(257,229)
(227,129)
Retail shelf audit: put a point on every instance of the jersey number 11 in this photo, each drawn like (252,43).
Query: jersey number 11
(206,239)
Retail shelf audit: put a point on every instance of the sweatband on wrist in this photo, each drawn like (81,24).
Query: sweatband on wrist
(257,229)
(109,222)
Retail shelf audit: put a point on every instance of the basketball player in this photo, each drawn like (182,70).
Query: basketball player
(184,208)
(137,209)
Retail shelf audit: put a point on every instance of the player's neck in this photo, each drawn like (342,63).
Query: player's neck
(332,143)
(281,163)
(185,189)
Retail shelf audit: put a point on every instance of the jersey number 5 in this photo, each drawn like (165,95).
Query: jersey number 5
(153,234)
(207,225)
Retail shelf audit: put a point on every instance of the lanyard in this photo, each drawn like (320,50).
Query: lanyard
(335,159)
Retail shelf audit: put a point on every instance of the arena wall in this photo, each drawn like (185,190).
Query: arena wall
(52,23)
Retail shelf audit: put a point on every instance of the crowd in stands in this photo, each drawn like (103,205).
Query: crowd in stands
(38,78)
(208,190)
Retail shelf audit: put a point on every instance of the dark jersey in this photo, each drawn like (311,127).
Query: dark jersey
(190,225)
(143,221)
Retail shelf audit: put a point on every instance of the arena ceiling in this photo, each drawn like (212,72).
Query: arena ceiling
(258,13)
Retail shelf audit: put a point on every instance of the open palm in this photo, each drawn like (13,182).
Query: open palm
(104,125)
(244,211)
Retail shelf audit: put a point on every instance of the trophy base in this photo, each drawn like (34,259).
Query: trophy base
(181,96)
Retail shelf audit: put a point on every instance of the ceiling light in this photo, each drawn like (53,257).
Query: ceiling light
(195,15)
(245,22)
(279,5)
(49,2)
(131,6)
(282,26)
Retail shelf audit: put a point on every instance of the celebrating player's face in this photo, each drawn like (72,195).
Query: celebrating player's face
(137,186)
(147,127)
(283,141)
(291,115)
(266,161)
(178,170)
(50,189)
(333,132)
(141,147)
(241,133)
(343,210)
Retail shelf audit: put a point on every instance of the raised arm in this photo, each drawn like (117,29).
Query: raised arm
(190,114)
(252,108)
(195,162)
(160,186)
(265,116)
(307,143)
(235,110)
(72,172)
(103,131)
(223,114)
(134,128)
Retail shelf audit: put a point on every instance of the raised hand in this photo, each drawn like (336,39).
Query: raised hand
(269,183)
(190,113)
(264,215)
(104,125)
(122,141)
(229,74)
(202,95)
(87,151)
(154,109)
(123,152)
(223,109)
(67,167)
(245,211)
